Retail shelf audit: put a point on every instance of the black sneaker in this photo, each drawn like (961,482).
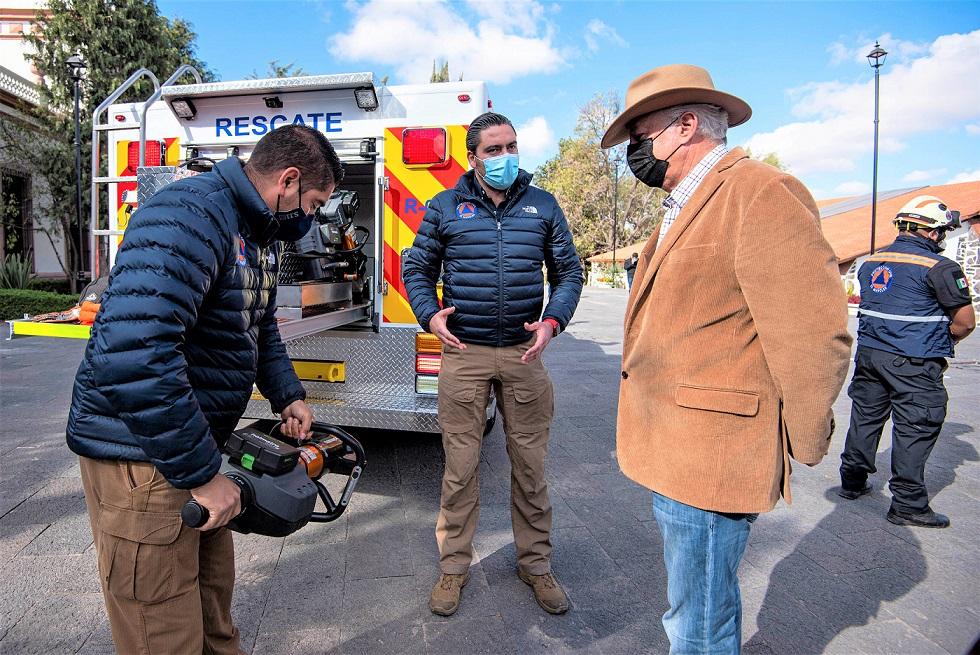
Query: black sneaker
(853,494)
(926,519)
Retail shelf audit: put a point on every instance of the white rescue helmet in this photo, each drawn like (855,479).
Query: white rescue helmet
(927,212)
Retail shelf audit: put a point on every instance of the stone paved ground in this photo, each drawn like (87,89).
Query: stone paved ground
(822,576)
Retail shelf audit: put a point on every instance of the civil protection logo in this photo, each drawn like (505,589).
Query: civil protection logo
(242,259)
(881,278)
(465,210)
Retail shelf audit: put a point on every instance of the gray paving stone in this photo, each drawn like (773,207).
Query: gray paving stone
(325,639)
(820,576)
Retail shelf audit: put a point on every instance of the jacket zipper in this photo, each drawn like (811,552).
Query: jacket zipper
(500,278)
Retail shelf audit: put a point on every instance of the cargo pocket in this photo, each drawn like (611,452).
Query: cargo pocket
(533,406)
(457,407)
(138,559)
(927,411)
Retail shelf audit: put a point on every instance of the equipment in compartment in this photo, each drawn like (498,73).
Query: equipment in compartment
(332,251)
(326,269)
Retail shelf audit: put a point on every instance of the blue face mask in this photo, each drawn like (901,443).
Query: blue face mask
(501,171)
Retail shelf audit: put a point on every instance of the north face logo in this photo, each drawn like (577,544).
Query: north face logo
(530,209)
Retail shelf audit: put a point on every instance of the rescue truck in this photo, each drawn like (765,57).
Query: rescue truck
(345,318)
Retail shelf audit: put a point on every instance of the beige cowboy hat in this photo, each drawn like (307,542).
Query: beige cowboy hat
(669,86)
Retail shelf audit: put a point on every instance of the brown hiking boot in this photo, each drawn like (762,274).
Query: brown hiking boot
(444,600)
(549,594)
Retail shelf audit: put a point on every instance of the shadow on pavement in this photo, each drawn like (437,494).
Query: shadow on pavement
(843,572)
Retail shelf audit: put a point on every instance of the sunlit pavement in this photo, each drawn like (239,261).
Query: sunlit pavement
(824,575)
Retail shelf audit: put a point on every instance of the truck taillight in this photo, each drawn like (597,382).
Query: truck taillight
(428,363)
(426,342)
(424,145)
(155,153)
(427,384)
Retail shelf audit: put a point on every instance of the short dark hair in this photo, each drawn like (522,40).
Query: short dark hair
(302,147)
(482,122)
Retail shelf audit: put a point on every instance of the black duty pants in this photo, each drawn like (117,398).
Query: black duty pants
(912,391)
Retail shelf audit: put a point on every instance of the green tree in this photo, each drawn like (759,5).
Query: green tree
(594,185)
(440,73)
(278,70)
(114,37)
(770,158)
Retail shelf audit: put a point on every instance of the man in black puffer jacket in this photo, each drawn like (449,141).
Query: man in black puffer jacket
(187,325)
(490,236)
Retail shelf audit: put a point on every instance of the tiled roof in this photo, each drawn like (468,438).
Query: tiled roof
(847,223)
(621,253)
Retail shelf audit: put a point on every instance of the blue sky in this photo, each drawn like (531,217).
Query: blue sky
(800,66)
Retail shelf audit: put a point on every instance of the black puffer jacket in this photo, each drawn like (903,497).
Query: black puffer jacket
(492,259)
(186,326)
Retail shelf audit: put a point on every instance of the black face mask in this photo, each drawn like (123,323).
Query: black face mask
(644,164)
(291,225)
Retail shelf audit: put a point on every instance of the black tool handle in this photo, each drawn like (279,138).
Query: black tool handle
(351,446)
(194,514)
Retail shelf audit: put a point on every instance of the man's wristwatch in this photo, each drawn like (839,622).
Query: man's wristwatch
(555,328)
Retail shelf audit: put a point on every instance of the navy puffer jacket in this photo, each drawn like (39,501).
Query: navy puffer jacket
(491,260)
(186,326)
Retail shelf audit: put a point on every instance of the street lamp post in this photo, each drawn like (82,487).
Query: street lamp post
(76,66)
(877,59)
(615,219)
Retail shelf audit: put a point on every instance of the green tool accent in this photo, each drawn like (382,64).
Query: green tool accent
(247,461)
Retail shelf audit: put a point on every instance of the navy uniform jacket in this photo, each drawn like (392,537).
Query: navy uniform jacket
(186,326)
(490,258)
(908,291)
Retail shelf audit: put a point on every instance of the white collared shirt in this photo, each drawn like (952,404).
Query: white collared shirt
(682,193)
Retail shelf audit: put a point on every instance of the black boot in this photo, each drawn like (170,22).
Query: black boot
(850,493)
(925,519)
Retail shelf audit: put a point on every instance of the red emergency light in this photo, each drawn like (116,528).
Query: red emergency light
(155,154)
(424,145)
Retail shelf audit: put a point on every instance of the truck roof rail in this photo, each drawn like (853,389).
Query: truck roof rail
(97,179)
(177,74)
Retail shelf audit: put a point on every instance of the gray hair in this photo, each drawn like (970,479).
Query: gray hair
(712,119)
(482,122)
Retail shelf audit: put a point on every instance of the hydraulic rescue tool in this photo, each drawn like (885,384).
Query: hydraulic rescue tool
(280,482)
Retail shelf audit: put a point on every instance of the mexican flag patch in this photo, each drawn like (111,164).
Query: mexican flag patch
(961,282)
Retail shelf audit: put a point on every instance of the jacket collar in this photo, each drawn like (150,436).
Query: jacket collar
(918,241)
(256,221)
(468,188)
(654,255)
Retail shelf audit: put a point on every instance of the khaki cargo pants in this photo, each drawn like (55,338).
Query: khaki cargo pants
(167,587)
(526,401)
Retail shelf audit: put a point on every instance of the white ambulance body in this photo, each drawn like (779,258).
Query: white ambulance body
(364,361)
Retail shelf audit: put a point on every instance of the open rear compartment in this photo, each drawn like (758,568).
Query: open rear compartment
(318,293)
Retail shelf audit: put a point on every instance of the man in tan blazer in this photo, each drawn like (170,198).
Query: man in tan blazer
(735,343)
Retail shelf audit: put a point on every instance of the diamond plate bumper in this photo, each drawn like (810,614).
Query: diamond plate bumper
(379,387)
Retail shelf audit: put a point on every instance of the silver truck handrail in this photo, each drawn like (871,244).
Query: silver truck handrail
(180,72)
(96,155)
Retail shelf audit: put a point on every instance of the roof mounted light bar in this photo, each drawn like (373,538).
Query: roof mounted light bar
(270,86)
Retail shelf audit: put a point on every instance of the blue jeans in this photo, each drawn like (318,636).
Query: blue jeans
(702,551)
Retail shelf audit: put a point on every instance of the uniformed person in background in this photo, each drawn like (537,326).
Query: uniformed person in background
(915,306)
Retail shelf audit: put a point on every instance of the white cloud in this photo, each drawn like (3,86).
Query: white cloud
(495,42)
(973,129)
(853,188)
(535,137)
(596,29)
(927,93)
(923,176)
(966,176)
(857,50)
